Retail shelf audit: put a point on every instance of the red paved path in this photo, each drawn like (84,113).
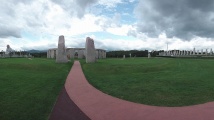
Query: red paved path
(66,109)
(99,106)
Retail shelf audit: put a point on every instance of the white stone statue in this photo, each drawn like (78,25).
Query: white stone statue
(9,49)
(194,51)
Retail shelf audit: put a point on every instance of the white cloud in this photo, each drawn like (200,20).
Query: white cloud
(120,30)
(37,25)
(110,3)
(4,43)
(75,7)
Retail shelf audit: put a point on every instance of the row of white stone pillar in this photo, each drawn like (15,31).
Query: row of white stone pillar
(186,52)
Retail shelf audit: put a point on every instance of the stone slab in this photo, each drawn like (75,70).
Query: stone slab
(90,50)
(61,55)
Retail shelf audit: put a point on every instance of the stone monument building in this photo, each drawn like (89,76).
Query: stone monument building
(72,53)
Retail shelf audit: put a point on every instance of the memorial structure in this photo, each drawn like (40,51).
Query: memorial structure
(10,53)
(61,55)
(90,50)
(187,53)
(72,53)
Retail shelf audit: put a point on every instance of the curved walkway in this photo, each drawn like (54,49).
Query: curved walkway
(66,109)
(99,106)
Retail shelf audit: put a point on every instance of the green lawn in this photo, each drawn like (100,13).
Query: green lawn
(29,88)
(156,81)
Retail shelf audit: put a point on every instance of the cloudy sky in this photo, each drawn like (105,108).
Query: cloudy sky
(113,24)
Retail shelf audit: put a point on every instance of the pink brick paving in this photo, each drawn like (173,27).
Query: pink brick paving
(99,106)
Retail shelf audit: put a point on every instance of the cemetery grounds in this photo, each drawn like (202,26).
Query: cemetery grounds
(155,81)
(29,87)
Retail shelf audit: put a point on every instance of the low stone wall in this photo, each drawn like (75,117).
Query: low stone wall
(15,56)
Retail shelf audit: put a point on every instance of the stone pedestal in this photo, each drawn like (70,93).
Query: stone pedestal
(90,50)
(61,55)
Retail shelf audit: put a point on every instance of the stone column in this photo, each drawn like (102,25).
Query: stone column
(61,55)
(149,56)
(194,51)
(206,52)
(53,53)
(211,51)
(90,50)
(174,53)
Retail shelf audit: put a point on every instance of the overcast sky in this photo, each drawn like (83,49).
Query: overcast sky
(113,24)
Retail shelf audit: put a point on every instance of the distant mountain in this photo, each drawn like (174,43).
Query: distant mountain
(37,51)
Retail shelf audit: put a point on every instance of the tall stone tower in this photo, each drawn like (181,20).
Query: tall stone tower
(90,53)
(61,52)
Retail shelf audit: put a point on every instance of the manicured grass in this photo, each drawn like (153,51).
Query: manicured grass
(29,88)
(156,81)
